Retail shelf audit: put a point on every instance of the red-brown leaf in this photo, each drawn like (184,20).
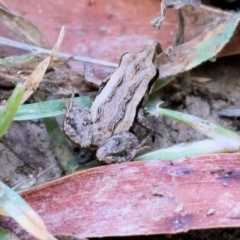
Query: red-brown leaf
(141,198)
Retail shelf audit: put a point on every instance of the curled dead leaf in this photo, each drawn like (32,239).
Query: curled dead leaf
(158,20)
(205,46)
(35,78)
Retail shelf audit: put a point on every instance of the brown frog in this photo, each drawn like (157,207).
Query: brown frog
(106,125)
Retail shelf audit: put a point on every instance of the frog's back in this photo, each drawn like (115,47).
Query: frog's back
(114,109)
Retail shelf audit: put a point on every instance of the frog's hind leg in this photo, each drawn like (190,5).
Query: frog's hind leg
(78,125)
(121,147)
(117,148)
(143,121)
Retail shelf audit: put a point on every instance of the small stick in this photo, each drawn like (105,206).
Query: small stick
(33,49)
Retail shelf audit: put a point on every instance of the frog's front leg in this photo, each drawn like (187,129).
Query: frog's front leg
(120,147)
(91,79)
(78,125)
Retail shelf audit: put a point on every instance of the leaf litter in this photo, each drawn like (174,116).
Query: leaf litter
(222,31)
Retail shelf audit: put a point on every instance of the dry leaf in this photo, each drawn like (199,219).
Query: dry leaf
(157,21)
(30,61)
(35,78)
(27,31)
(177,4)
(59,81)
(232,111)
(205,46)
(121,199)
(11,204)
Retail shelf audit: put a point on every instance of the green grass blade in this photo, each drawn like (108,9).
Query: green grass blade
(161,83)
(207,128)
(207,146)
(13,205)
(60,146)
(152,102)
(6,235)
(58,141)
(7,114)
(48,108)
(223,140)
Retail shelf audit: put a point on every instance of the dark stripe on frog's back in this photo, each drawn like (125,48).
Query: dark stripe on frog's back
(127,92)
(106,93)
(122,109)
(102,107)
(141,75)
(125,117)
